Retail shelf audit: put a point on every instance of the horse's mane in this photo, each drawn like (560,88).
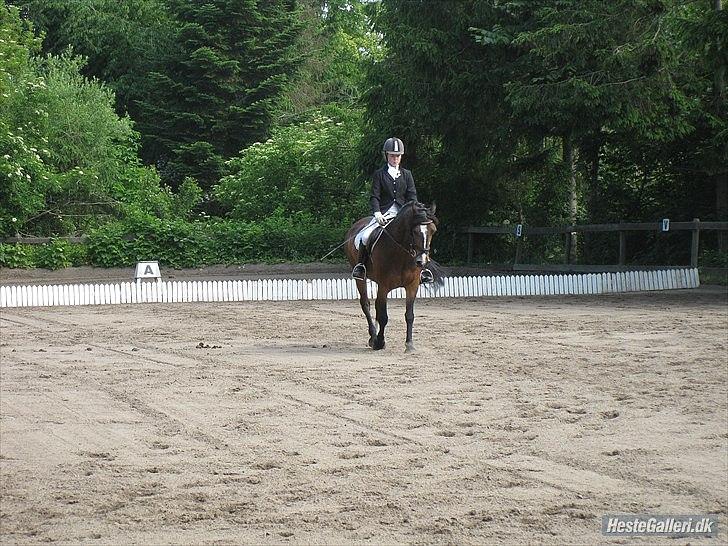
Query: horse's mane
(417,212)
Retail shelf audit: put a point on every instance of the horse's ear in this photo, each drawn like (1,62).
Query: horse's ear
(433,207)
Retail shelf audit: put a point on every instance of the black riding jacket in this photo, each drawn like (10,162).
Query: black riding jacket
(386,190)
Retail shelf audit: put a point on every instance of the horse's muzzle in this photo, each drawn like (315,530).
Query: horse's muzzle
(422,259)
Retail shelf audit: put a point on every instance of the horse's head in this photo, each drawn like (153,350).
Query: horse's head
(412,230)
(424,226)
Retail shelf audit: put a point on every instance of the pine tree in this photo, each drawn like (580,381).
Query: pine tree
(215,93)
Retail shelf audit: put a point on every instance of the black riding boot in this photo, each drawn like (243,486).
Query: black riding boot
(360,270)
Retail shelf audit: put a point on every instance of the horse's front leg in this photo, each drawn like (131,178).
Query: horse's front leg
(365,306)
(409,316)
(382,318)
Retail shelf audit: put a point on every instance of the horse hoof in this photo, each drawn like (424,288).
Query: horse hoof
(378,346)
(371,342)
(409,348)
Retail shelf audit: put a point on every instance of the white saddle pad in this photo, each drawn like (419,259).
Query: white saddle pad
(363,235)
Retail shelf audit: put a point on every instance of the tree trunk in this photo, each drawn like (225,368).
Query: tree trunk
(593,159)
(569,155)
(590,153)
(721,205)
(721,179)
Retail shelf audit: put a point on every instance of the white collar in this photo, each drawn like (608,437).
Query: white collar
(394,172)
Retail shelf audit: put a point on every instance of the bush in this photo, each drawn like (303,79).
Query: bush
(171,242)
(713,258)
(310,167)
(16,256)
(178,244)
(181,244)
(53,255)
(108,247)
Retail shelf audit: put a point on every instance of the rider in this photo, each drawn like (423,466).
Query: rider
(392,187)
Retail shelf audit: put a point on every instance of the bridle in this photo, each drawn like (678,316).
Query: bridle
(424,249)
(413,249)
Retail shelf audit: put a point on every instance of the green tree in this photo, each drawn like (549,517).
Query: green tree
(703,29)
(69,163)
(508,107)
(214,94)
(587,69)
(337,43)
(122,41)
(442,93)
(23,174)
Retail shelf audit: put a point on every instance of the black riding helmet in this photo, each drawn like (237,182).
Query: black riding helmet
(393,146)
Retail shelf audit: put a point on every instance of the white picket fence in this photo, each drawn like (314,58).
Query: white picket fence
(339,289)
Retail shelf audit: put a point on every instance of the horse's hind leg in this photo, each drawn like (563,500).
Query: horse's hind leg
(366,307)
(409,316)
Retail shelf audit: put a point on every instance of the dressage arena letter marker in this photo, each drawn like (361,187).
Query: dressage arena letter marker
(147,270)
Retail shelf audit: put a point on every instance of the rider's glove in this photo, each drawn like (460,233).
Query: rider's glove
(380,218)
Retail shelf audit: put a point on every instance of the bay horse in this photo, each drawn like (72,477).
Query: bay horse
(398,252)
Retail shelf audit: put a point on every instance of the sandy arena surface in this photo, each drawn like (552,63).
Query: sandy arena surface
(519,420)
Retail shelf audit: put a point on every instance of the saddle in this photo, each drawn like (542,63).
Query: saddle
(373,235)
(373,238)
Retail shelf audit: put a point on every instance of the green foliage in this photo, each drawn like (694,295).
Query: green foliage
(108,246)
(78,120)
(442,93)
(486,92)
(121,40)
(23,174)
(214,93)
(338,44)
(298,238)
(122,244)
(713,258)
(69,162)
(54,255)
(187,198)
(255,110)
(309,167)
(201,80)
(176,243)
(26,180)
(16,256)
(590,66)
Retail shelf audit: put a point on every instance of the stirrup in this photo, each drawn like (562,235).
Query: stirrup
(359,272)
(426,276)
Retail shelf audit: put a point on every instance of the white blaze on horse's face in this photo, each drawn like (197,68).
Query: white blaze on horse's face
(424,257)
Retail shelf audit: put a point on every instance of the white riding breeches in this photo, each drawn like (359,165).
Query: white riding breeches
(363,235)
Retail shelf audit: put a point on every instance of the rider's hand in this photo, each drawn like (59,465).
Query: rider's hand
(380,218)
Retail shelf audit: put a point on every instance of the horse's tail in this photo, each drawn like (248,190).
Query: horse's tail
(438,272)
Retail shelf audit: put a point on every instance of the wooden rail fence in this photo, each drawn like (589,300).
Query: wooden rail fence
(520,231)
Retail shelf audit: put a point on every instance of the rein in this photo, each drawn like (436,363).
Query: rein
(412,252)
